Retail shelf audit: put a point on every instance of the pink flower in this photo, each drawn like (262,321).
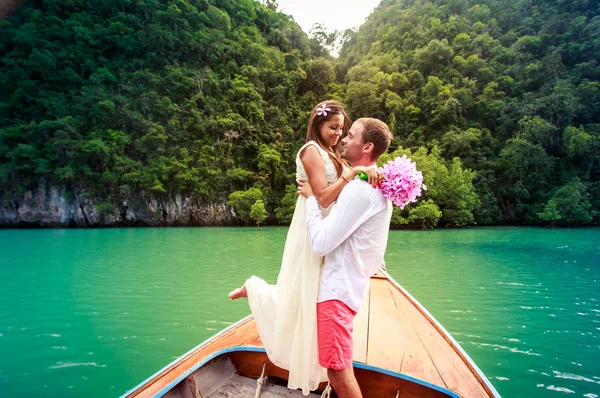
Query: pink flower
(402,182)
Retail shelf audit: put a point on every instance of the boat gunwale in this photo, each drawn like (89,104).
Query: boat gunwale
(447,336)
(186,355)
(358,365)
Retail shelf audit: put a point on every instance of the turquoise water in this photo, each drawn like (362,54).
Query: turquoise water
(94,312)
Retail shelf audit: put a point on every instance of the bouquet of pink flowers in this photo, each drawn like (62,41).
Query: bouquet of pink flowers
(402,182)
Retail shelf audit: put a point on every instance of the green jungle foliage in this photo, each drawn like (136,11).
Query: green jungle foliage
(512,88)
(120,99)
(498,102)
(258,213)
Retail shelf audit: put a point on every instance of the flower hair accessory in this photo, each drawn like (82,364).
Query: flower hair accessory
(322,111)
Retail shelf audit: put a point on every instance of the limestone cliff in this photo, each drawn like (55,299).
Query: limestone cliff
(55,207)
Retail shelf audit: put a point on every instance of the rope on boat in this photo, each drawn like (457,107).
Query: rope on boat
(398,394)
(261,380)
(327,391)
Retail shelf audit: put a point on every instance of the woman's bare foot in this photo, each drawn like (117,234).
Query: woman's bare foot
(238,293)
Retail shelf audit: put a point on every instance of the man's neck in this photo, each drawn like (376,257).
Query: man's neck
(367,162)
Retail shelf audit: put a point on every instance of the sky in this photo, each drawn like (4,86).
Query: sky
(333,14)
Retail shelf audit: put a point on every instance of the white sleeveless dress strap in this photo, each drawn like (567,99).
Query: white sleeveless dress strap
(330,170)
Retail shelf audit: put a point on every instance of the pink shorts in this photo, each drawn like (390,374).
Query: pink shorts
(334,332)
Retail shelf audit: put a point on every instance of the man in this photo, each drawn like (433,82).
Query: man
(353,239)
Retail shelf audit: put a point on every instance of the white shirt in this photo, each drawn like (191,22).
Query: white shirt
(353,238)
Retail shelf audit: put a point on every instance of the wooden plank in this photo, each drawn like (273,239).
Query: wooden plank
(192,388)
(360,336)
(211,376)
(450,366)
(245,334)
(186,388)
(385,345)
(378,385)
(416,362)
(240,386)
(373,384)
(174,393)
(250,364)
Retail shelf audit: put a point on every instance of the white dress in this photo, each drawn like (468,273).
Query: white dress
(286,314)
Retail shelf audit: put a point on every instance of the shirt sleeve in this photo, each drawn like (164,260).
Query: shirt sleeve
(350,211)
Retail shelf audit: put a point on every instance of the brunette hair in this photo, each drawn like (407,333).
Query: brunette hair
(378,133)
(317,119)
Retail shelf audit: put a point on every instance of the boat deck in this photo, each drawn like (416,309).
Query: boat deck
(391,331)
(240,386)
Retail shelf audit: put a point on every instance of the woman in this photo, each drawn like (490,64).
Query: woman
(285,313)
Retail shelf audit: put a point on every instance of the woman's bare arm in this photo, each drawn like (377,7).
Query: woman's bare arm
(315,171)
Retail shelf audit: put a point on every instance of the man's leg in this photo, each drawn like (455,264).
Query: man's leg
(344,383)
(334,332)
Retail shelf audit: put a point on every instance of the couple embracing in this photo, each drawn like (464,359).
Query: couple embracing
(335,243)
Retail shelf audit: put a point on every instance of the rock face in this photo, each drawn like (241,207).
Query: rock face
(54,207)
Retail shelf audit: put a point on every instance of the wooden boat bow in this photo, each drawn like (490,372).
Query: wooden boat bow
(399,350)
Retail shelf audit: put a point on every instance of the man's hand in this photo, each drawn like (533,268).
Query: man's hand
(373,174)
(304,189)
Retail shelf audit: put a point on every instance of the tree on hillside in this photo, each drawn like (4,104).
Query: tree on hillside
(258,213)
(450,196)
(243,201)
(569,206)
